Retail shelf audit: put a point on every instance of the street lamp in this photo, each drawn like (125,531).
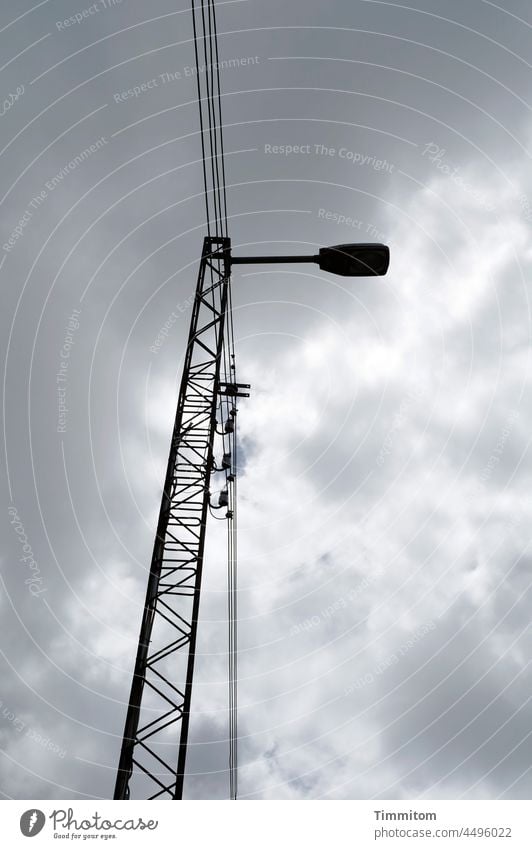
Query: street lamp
(171,610)
(366,259)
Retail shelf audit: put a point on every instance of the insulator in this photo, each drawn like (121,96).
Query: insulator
(223,498)
(226,460)
(229,426)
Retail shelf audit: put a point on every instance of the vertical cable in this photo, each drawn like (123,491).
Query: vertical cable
(206,38)
(220,116)
(235,623)
(202,133)
(212,148)
(216,129)
(232,609)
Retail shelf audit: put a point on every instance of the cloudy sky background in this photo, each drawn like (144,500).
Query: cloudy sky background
(385,568)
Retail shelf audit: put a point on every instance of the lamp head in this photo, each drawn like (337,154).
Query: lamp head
(361,260)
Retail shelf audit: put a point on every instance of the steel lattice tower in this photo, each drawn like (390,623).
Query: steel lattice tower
(156,730)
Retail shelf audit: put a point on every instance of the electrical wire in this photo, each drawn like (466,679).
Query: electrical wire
(228,413)
(232,594)
(233,631)
(220,123)
(213,166)
(210,107)
(202,132)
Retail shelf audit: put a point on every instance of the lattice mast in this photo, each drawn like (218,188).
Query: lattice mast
(154,747)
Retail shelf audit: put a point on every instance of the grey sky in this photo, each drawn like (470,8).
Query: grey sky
(385,579)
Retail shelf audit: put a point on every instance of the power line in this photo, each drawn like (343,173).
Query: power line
(212,145)
(209,101)
(202,132)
